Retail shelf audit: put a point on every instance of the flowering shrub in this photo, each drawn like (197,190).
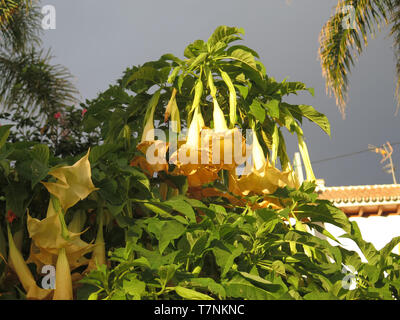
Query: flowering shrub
(116,223)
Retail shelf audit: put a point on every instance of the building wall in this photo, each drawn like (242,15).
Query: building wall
(377,230)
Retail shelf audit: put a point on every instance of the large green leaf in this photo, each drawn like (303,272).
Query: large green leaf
(239,287)
(313,115)
(224,34)
(210,285)
(198,60)
(16,198)
(182,207)
(243,57)
(145,73)
(98,152)
(273,108)
(191,294)
(257,111)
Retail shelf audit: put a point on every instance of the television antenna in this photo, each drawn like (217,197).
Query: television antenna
(385,151)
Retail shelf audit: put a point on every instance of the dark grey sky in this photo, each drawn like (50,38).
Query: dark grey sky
(98,39)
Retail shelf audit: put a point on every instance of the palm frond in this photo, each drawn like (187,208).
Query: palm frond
(340,46)
(395,33)
(28,79)
(19,24)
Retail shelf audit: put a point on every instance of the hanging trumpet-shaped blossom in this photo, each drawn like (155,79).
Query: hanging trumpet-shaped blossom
(227,146)
(74,183)
(50,235)
(63,290)
(24,274)
(263,179)
(154,150)
(191,159)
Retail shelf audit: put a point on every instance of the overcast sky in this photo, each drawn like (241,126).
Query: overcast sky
(98,39)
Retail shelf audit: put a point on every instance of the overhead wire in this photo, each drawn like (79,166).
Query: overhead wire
(346,155)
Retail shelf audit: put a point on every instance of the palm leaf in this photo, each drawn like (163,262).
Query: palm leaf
(339,46)
(28,79)
(395,33)
(19,24)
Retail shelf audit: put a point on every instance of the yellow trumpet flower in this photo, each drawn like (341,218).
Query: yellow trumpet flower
(63,290)
(99,252)
(154,150)
(227,146)
(24,274)
(263,179)
(191,159)
(49,235)
(74,183)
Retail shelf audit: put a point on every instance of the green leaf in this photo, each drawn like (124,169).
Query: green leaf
(367,248)
(257,111)
(243,90)
(170,230)
(135,288)
(144,73)
(320,296)
(167,272)
(273,108)
(97,152)
(244,57)
(4,133)
(210,285)
(39,172)
(173,75)
(156,208)
(41,153)
(244,48)
(311,114)
(279,267)
(225,255)
(224,34)
(16,196)
(138,176)
(191,294)
(238,287)
(388,248)
(198,60)
(255,278)
(182,207)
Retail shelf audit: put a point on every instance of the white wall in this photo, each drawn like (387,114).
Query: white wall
(377,230)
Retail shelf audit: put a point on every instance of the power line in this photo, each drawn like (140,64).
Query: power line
(347,155)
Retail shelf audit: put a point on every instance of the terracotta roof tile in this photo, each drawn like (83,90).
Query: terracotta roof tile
(364,200)
(368,193)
